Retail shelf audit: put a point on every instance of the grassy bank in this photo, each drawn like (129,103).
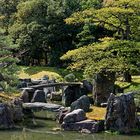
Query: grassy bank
(133,86)
(36,72)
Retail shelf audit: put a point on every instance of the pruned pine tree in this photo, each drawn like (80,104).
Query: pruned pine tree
(8,62)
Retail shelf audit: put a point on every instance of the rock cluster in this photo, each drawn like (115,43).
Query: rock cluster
(77,121)
(6,118)
(120,114)
(81,103)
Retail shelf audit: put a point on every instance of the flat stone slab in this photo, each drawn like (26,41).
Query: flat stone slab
(42,106)
(90,125)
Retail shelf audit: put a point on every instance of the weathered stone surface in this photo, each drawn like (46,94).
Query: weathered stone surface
(81,103)
(39,96)
(27,94)
(103,85)
(17,111)
(120,114)
(88,125)
(71,93)
(61,114)
(6,120)
(44,106)
(75,116)
(56,96)
(88,86)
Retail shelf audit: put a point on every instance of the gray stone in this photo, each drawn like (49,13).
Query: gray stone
(81,103)
(6,120)
(17,111)
(120,114)
(75,116)
(89,125)
(27,95)
(103,85)
(88,86)
(39,96)
(44,106)
(71,94)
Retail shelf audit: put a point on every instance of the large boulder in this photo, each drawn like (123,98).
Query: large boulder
(27,95)
(44,106)
(75,116)
(87,86)
(6,119)
(90,125)
(103,85)
(43,110)
(82,103)
(120,114)
(71,94)
(39,96)
(17,110)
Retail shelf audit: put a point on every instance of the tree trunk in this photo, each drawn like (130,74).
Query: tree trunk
(103,85)
(127,77)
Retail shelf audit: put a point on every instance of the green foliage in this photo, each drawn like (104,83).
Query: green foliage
(38,72)
(8,62)
(121,16)
(86,4)
(40,28)
(109,55)
(7,10)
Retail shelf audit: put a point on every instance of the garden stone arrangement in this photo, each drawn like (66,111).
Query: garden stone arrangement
(120,115)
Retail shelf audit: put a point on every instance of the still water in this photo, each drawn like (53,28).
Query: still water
(43,130)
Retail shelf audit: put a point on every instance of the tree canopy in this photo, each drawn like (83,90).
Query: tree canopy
(8,61)
(108,55)
(121,16)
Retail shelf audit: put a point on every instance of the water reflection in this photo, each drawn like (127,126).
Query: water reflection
(44,132)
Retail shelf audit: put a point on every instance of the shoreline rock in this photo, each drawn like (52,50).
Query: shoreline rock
(120,114)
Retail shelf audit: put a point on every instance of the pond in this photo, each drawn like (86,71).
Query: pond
(43,130)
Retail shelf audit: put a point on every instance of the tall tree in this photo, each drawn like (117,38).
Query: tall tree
(120,16)
(40,28)
(7,61)
(7,10)
(100,61)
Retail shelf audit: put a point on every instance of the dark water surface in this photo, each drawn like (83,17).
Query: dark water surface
(44,131)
